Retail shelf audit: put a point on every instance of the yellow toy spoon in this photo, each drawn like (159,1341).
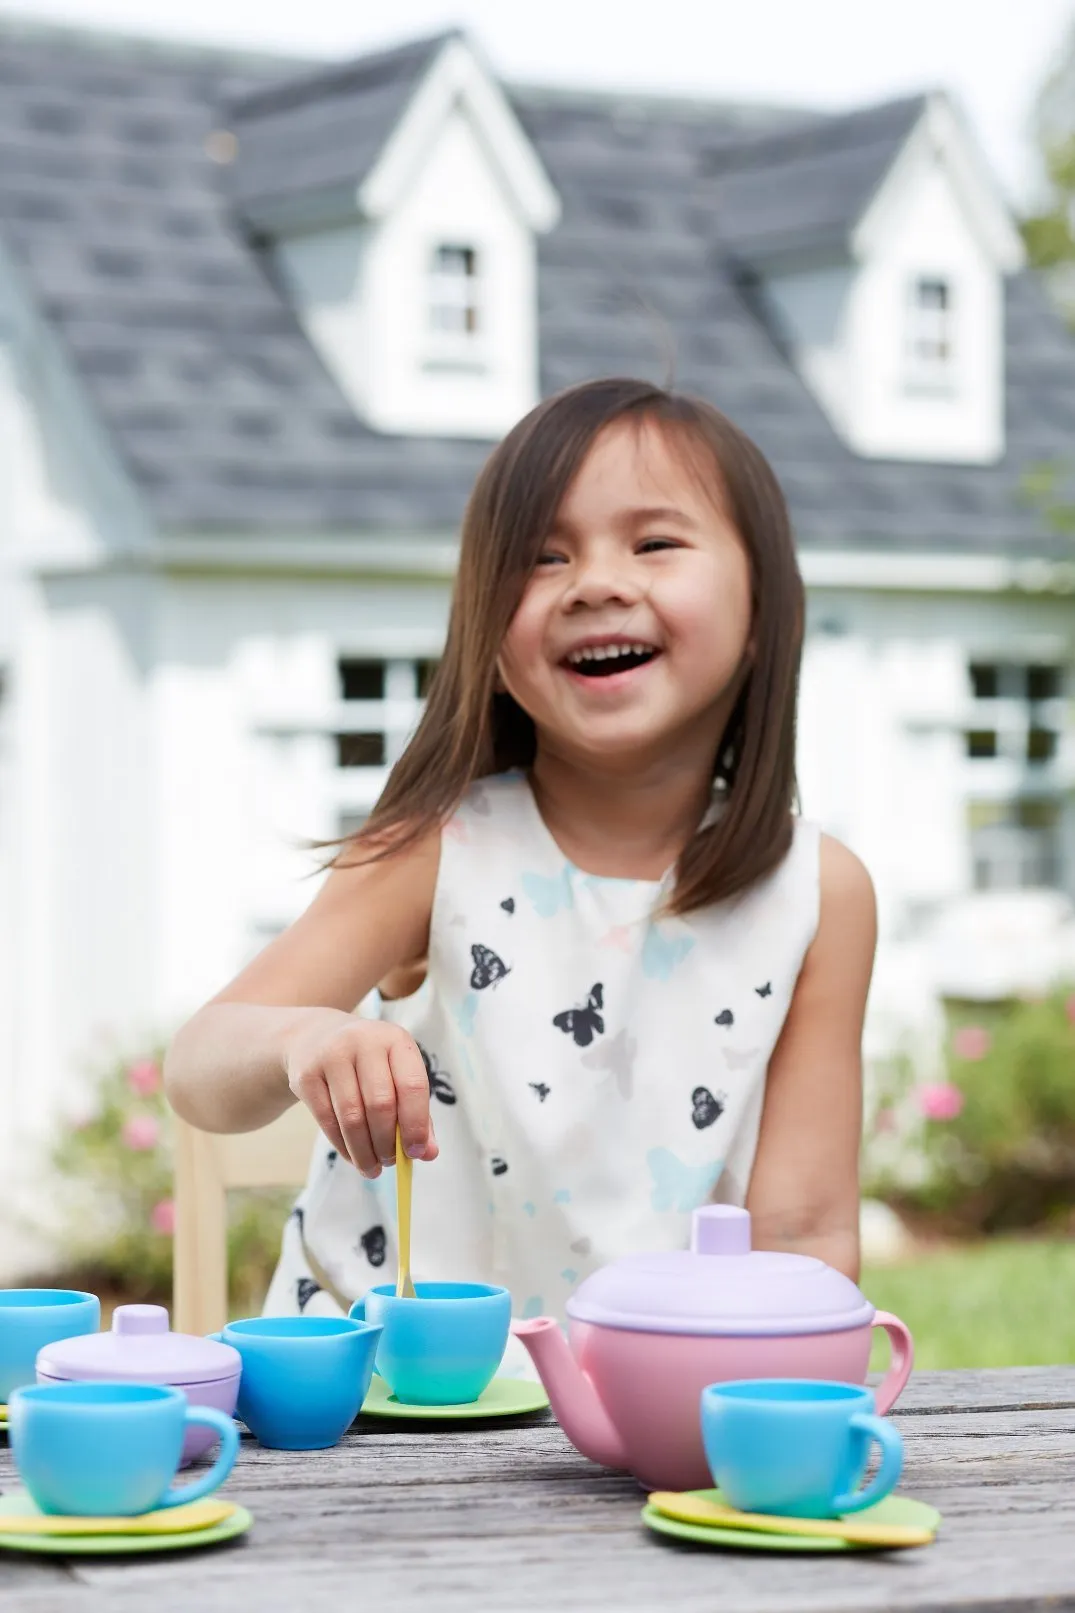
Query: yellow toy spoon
(404,1167)
(168,1521)
(695,1509)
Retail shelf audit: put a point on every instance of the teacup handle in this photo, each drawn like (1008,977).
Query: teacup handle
(357,1313)
(894,1382)
(888,1474)
(206,1417)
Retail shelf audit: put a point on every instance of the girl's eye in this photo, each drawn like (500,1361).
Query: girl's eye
(549,557)
(653,545)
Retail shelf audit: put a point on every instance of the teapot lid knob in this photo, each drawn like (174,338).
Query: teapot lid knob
(140,1319)
(720,1229)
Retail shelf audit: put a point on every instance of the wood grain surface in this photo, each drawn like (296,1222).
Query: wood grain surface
(468,1518)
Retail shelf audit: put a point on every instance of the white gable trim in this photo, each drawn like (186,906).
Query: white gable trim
(457,75)
(942,130)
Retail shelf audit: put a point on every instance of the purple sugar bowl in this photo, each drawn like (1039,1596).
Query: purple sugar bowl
(142,1349)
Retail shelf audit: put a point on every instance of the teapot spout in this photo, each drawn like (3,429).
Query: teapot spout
(576,1405)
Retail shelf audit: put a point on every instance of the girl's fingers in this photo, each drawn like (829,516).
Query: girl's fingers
(350,1109)
(412,1098)
(379,1101)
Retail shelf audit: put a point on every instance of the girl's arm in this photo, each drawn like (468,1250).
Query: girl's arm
(804,1188)
(285,1027)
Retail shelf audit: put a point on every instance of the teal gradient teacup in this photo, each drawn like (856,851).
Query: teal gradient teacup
(111,1450)
(303,1378)
(31,1318)
(797,1447)
(442,1348)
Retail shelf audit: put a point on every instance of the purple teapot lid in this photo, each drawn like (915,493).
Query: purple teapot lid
(139,1349)
(719,1286)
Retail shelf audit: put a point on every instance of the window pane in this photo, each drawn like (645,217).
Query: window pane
(1040,745)
(1042,682)
(361,680)
(984,680)
(360,750)
(425,670)
(981,742)
(932,294)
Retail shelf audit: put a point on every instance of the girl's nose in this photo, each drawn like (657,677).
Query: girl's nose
(603,578)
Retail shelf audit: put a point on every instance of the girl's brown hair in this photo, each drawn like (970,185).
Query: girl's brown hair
(469,730)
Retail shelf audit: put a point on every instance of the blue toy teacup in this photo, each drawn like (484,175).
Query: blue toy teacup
(303,1379)
(797,1447)
(31,1318)
(111,1450)
(443,1348)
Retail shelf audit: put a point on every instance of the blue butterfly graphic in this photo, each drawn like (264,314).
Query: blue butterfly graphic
(465,1011)
(548,896)
(677,1186)
(662,953)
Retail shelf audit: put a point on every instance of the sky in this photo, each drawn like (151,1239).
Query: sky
(993,54)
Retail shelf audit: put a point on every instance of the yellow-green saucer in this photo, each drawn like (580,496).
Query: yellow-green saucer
(505,1397)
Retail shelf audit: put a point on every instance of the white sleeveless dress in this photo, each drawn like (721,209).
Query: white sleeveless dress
(595,1073)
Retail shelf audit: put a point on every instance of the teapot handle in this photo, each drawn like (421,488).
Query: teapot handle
(894,1382)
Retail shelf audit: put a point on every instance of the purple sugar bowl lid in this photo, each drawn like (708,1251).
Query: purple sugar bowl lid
(719,1286)
(140,1349)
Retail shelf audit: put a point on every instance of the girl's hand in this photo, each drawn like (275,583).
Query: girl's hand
(360,1078)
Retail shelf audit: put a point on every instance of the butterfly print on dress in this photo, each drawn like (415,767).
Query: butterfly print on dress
(508,904)
(331,1157)
(541,1089)
(488,969)
(305,1289)
(725,1017)
(374,1245)
(677,1186)
(706,1108)
(617,1056)
(298,1215)
(586,1022)
(499,1166)
(440,1082)
(766,990)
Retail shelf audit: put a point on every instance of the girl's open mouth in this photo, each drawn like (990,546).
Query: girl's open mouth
(604,660)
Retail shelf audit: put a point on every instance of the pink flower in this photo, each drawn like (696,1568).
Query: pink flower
(971,1042)
(162,1217)
(942,1101)
(1069,1009)
(141,1132)
(144,1077)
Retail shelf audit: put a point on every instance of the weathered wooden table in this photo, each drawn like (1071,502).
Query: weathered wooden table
(510,1517)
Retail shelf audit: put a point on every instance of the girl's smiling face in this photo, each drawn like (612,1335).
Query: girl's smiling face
(632,636)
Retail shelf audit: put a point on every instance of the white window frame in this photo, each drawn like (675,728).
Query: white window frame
(456,311)
(930,334)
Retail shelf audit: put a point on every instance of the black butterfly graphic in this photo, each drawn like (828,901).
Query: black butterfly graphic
(766,990)
(305,1289)
(508,904)
(440,1082)
(299,1214)
(331,1157)
(488,968)
(584,1023)
(499,1165)
(541,1089)
(725,1017)
(706,1109)
(374,1245)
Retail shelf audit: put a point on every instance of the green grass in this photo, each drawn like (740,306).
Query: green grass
(1005,1303)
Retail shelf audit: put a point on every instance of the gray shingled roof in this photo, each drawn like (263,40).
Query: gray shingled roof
(310,139)
(227,420)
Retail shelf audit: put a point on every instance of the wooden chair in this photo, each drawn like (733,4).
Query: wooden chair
(206,1166)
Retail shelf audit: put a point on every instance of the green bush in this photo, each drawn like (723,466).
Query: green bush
(113,1173)
(992,1147)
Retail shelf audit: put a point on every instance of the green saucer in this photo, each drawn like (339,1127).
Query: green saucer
(115,1545)
(896,1509)
(505,1397)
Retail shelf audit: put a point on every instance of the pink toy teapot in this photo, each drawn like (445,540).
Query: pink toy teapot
(648,1332)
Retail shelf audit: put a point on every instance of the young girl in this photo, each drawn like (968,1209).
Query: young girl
(618,976)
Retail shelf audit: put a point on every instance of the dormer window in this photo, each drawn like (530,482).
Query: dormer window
(929,333)
(454,308)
